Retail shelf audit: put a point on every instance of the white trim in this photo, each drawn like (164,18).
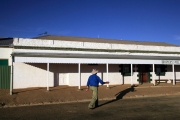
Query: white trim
(85,60)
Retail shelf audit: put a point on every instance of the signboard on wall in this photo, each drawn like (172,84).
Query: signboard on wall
(170,61)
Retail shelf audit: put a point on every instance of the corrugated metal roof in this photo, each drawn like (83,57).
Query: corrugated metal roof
(102,40)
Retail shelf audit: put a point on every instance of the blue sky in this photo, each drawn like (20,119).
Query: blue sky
(139,20)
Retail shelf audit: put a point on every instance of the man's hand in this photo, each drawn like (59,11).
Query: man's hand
(107,82)
(87,89)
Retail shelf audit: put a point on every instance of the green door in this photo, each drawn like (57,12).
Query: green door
(5,74)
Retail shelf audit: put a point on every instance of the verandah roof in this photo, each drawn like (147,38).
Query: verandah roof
(91,58)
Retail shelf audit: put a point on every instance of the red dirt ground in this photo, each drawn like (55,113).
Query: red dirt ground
(61,94)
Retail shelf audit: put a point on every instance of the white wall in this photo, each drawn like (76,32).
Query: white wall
(35,74)
(31,75)
(5,53)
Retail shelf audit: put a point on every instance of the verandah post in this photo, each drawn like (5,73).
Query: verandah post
(173,74)
(48,76)
(131,74)
(153,76)
(107,69)
(11,79)
(79,75)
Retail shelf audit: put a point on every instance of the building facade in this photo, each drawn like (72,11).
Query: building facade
(54,60)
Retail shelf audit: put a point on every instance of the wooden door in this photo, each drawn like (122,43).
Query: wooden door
(144,77)
(143,74)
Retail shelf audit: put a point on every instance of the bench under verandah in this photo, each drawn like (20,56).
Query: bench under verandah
(157,81)
(176,80)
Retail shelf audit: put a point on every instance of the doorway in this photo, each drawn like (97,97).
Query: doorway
(63,78)
(143,73)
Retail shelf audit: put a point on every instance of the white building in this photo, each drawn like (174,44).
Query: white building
(49,61)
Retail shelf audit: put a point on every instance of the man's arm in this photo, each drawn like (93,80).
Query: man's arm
(102,81)
(106,82)
(87,85)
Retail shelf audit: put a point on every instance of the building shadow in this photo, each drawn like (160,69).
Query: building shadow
(120,95)
(26,90)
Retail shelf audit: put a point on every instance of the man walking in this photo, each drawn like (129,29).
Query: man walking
(93,84)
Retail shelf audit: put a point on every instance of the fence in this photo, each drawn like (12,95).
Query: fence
(5,75)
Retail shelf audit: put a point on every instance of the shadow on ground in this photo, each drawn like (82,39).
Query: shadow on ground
(120,95)
(21,91)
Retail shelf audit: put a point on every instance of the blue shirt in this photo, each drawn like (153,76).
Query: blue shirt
(94,80)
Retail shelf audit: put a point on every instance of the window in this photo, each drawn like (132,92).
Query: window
(125,69)
(160,70)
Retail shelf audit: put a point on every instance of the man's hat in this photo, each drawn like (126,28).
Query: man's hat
(94,71)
